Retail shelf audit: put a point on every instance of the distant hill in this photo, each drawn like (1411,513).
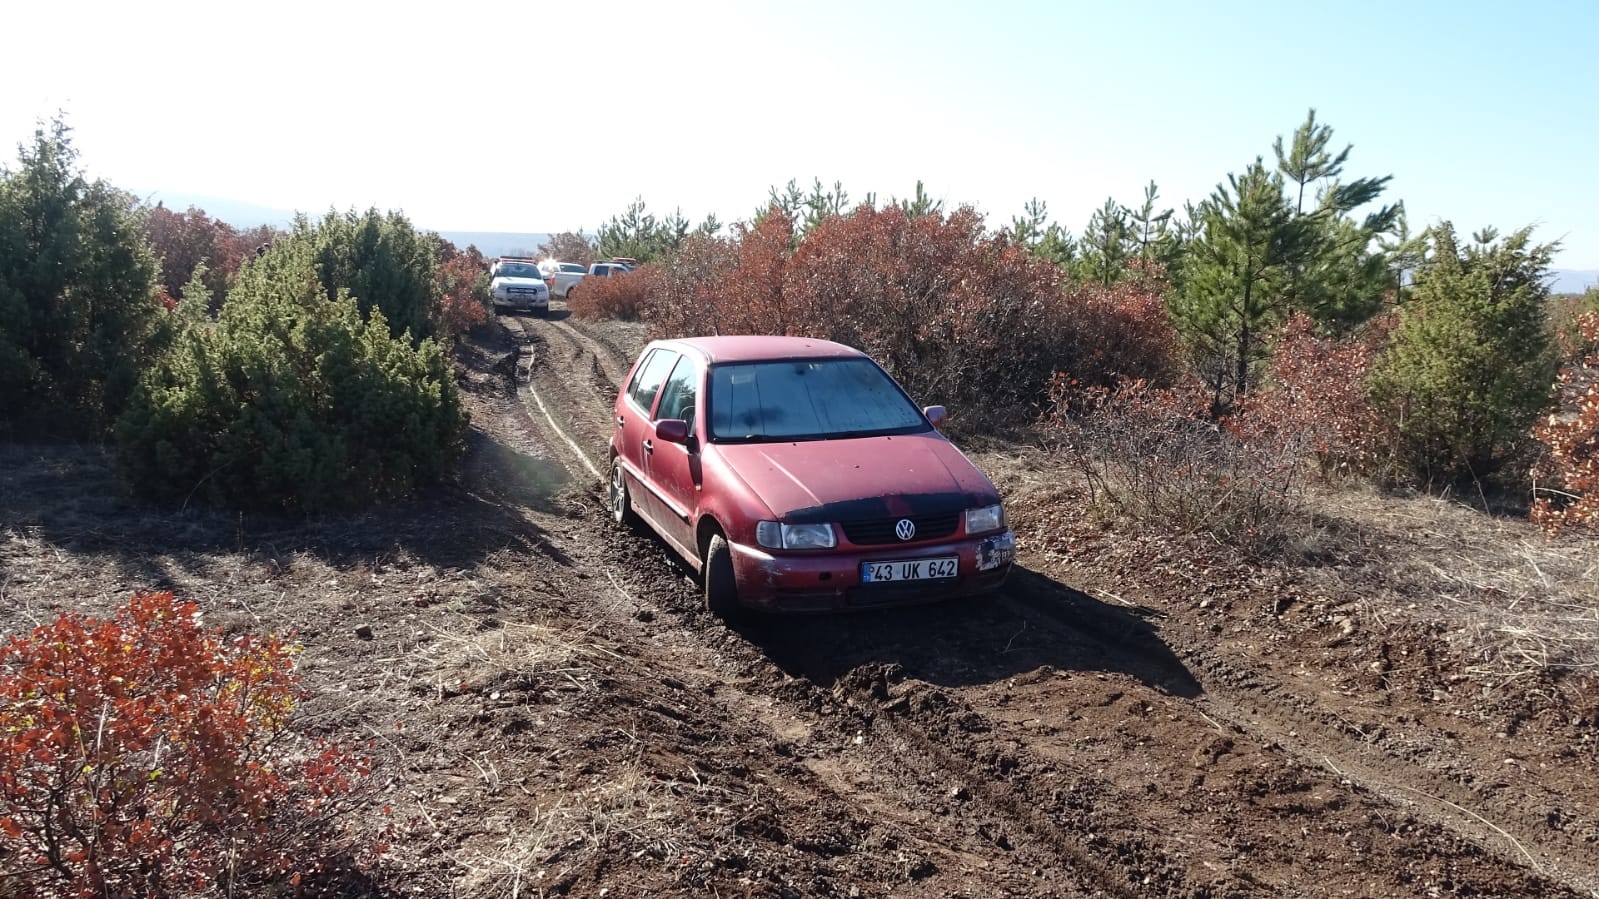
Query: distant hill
(497,243)
(249,215)
(235,212)
(1569,280)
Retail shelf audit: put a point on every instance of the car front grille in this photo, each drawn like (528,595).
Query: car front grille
(880,531)
(524,291)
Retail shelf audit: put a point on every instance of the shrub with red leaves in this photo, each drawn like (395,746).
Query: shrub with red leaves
(620,296)
(144,755)
(185,240)
(959,317)
(1317,397)
(463,294)
(1566,486)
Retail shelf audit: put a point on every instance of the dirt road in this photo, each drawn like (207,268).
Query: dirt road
(557,716)
(1059,743)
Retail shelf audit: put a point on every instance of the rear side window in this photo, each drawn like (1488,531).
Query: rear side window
(677,397)
(647,381)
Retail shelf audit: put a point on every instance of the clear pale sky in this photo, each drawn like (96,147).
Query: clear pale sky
(539,117)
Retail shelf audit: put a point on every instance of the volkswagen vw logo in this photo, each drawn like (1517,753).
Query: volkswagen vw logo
(905,529)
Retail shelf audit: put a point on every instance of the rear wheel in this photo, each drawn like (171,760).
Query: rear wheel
(621,504)
(721,591)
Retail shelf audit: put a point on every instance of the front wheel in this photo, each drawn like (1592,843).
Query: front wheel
(621,504)
(721,589)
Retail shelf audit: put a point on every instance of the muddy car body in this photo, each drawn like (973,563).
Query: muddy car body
(796,475)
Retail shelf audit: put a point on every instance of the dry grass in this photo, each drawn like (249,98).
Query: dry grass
(1511,598)
(629,813)
(1504,596)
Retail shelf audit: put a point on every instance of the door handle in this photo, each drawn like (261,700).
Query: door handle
(649,446)
(620,420)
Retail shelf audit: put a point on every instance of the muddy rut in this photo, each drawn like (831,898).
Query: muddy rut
(1048,742)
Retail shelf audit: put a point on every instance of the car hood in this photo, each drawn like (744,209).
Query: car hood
(859,479)
(518,282)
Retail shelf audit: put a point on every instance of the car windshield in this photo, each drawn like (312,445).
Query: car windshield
(518,270)
(573,267)
(808,399)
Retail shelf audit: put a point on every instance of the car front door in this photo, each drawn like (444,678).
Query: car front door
(634,427)
(674,468)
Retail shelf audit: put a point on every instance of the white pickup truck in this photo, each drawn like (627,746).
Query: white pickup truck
(561,276)
(516,283)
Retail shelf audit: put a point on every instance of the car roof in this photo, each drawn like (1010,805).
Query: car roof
(759,348)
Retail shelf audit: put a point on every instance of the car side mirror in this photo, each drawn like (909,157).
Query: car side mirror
(935,415)
(672,430)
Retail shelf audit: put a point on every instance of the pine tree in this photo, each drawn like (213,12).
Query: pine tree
(921,203)
(78,316)
(1472,361)
(1275,242)
(1232,294)
(1106,244)
(1041,237)
(1151,231)
(636,234)
(1343,275)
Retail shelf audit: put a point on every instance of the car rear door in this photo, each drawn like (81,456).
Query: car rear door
(674,468)
(634,426)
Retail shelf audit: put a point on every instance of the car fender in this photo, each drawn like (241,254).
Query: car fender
(730,503)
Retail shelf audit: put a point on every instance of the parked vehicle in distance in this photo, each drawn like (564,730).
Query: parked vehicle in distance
(516,284)
(606,269)
(561,276)
(494,267)
(796,475)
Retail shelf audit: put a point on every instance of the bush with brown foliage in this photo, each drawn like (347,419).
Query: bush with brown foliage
(184,241)
(463,295)
(1317,395)
(958,316)
(145,755)
(1154,458)
(621,296)
(1566,489)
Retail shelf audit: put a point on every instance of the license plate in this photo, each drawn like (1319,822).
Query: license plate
(913,570)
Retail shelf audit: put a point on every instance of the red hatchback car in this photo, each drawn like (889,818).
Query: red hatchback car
(796,475)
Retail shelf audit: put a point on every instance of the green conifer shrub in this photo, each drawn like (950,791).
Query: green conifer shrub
(291,401)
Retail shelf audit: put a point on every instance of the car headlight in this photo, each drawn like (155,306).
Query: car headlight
(988,518)
(775,535)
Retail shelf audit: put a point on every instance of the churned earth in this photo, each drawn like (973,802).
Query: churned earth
(550,712)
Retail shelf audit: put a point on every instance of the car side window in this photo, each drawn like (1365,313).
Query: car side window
(647,382)
(677,397)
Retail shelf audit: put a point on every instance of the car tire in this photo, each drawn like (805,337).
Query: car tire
(721,587)
(621,504)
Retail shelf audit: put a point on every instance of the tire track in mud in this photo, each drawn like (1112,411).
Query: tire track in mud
(899,790)
(1009,821)
(1140,805)
(557,398)
(1035,797)
(613,363)
(866,758)
(1316,738)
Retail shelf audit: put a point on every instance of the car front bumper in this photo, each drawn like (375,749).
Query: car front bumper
(827,582)
(522,301)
